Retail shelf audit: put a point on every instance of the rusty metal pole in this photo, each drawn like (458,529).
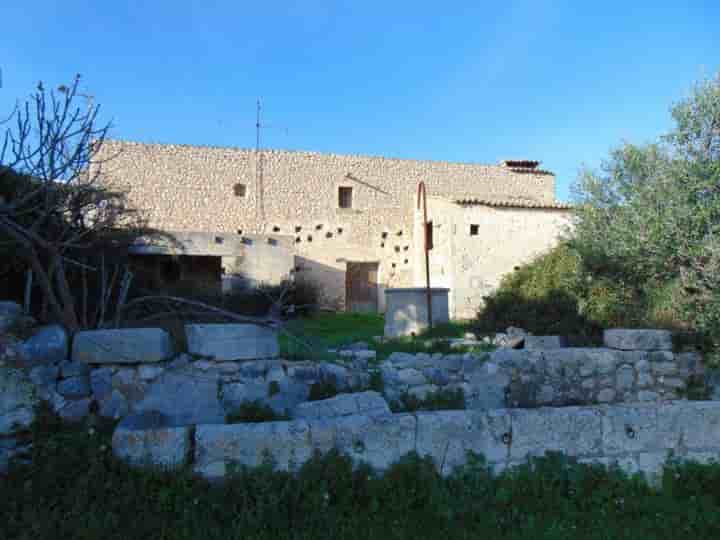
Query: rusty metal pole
(426,247)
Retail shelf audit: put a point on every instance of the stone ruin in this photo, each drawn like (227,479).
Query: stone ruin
(618,403)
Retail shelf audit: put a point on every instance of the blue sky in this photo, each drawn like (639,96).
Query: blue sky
(561,82)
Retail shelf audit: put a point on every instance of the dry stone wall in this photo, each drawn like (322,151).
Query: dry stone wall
(637,438)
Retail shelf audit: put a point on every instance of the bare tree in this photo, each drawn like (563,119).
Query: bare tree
(54,212)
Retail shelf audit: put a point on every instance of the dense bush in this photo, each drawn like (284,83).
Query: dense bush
(75,488)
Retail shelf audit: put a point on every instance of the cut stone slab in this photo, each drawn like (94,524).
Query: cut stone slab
(225,342)
(122,346)
(146,440)
(74,387)
(343,405)
(287,443)
(638,340)
(540,343)
(184,399)
(49,345)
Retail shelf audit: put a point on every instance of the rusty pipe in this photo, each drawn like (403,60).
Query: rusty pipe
(421,191)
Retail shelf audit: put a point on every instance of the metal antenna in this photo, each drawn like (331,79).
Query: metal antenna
(259,187)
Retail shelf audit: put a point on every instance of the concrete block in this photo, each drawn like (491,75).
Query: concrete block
(225,342)
(406,310)
(123,346)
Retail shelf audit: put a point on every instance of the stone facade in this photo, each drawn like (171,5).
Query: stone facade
(206,189)
(477,241)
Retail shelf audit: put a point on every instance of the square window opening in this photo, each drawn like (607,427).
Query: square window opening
(474,230)
(345,196)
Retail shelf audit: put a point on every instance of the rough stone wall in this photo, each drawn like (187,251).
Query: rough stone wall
(473,265)
(185,188)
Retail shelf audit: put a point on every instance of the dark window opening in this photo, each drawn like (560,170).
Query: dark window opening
(474,230)
(219,239)
(309,238)
(298,228)
(240,190)
(276,229)
(328,234)
(318,227)
(340,230)
(297,240)
(345,197)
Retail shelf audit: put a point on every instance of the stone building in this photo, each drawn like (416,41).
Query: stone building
(347,223)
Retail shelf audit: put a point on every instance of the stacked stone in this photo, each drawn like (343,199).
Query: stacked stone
(634,366)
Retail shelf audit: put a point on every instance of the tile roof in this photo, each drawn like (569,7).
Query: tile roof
(513,203)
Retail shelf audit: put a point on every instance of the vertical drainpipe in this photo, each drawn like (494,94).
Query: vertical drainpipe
(426,247)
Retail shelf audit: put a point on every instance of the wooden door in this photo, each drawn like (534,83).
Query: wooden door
(361,287)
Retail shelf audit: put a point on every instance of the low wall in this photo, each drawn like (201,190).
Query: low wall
(638,438)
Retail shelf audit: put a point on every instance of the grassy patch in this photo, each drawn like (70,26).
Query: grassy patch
(77,489)
(325,331)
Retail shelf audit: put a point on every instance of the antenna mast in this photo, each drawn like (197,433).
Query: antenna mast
(259,188)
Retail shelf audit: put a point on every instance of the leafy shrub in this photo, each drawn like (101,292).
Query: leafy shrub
(442,399)
(75,488)
(254,411)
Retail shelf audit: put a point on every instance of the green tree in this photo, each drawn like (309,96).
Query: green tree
(651,215)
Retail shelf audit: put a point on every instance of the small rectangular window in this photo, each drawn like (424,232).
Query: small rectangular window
(240,190)
(345,197)
(474,230)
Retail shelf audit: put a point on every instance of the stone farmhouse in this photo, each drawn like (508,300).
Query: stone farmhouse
(349,224)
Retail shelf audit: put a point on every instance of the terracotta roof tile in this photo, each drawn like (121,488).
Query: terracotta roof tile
(513,203)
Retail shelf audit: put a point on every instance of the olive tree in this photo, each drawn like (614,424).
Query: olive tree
(651,215)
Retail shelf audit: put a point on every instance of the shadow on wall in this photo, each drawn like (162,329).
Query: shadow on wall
(328,281)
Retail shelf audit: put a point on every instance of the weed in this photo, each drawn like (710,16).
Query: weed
(443,399)
(254,411)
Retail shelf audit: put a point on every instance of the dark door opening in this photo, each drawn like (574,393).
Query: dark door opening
(361,287)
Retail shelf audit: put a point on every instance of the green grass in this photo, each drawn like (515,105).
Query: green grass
(77,489)
(334,330)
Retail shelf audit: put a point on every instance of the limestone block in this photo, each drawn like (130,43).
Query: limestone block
(401,360)
(225,342)
(665,368)
(343,405)
(48,345)
(101,382)
(333,372)
(576,431)
(217,446)
(447,436)
(628,429)
(411,377)
(148,373)
(379,440)
(147,440)
(487,391)
(633,340)
(74,387)
(606,395)
(236,393)
(123,346)
(536,343)
(74,369)
(625,378)
(184,399)
(113,405)
(18,400)
(44,375)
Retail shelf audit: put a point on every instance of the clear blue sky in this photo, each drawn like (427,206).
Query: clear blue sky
(561,82)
